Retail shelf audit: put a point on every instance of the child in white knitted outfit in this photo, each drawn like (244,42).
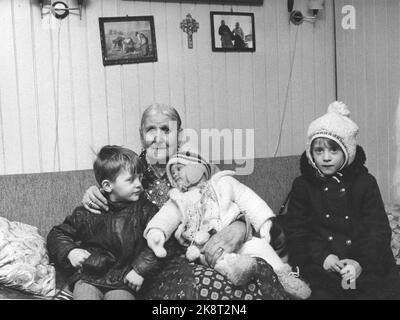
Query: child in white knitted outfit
(201,204)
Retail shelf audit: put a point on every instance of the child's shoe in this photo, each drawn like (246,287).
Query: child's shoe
(292,283)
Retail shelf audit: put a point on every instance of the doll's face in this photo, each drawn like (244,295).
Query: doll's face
(179,176)
(186,176)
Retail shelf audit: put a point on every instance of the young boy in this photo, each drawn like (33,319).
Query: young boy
(336,225)
(201,205)
(108,249)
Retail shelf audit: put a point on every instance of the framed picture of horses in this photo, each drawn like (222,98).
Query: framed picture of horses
(232,31)
(127,40)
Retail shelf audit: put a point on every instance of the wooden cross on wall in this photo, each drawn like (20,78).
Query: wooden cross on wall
(189,25)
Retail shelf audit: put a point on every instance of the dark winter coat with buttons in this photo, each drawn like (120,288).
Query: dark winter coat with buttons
(342,215)
(114,239)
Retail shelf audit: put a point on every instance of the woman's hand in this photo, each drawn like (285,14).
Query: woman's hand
(93,200)
(227,240)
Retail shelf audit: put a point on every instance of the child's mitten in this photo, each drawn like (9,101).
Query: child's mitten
(155,241)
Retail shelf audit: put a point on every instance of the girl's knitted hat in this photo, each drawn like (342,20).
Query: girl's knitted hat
(335,125)
(196,166)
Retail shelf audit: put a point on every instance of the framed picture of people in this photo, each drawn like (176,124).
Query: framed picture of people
(127,39)
(232,31)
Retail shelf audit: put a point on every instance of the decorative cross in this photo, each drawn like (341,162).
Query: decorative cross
(189,25)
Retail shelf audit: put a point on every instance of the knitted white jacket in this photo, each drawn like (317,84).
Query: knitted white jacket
(233,198)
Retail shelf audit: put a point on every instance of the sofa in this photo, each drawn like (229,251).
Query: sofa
(44,199)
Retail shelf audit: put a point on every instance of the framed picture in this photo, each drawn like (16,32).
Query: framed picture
(232,31)
(128,40)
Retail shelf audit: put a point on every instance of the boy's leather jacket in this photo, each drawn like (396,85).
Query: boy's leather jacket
(114,239)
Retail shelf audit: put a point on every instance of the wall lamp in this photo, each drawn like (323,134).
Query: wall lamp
(297,18)
(59,9)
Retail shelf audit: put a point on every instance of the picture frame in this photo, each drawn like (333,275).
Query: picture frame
(129,39)
(232,31)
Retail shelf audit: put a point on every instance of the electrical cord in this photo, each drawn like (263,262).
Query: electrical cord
(56,153)
(287,93)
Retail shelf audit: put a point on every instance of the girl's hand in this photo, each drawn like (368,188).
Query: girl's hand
(227,240)
(93,200)
(78,256)
(352,269)
(332,263)
(134,280)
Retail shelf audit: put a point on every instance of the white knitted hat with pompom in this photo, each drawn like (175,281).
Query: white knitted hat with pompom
(335,125)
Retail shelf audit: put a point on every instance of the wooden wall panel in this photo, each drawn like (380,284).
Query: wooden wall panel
(98,105)
(369,80)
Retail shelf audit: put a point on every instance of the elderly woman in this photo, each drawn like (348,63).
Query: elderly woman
(161,136)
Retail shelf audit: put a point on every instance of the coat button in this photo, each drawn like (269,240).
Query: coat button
(330,238)
(343,190)
(326,189)
(346,217)
(327,216)
(348,242)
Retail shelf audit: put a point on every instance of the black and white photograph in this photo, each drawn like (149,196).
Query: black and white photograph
(232,31)
(206,156)
(128,40)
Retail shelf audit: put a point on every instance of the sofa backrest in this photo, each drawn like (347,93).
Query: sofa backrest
(44,199)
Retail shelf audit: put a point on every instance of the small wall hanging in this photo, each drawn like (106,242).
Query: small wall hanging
(232,31)
(128,40)
(189,25)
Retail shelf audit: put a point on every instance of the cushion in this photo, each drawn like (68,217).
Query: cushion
(24,263)
(393,211)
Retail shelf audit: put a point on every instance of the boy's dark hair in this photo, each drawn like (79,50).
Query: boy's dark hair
(327,143)
(110,160)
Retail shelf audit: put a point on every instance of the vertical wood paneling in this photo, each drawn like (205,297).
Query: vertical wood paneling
(131,97)
(146,70)
(161,70)
(369,79)
(44,87)
(202,44)
(13,148)
(271,75)
(25,86)
(82,112)
(113,86)
(98,105)
(175,68)
(96,74)
(190,70)
(259,86)
(2,150)
(393,55)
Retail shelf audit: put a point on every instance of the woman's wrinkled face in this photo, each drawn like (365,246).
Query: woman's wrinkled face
(159,137)
(328,159)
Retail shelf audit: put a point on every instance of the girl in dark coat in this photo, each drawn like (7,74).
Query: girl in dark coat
(337,229)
